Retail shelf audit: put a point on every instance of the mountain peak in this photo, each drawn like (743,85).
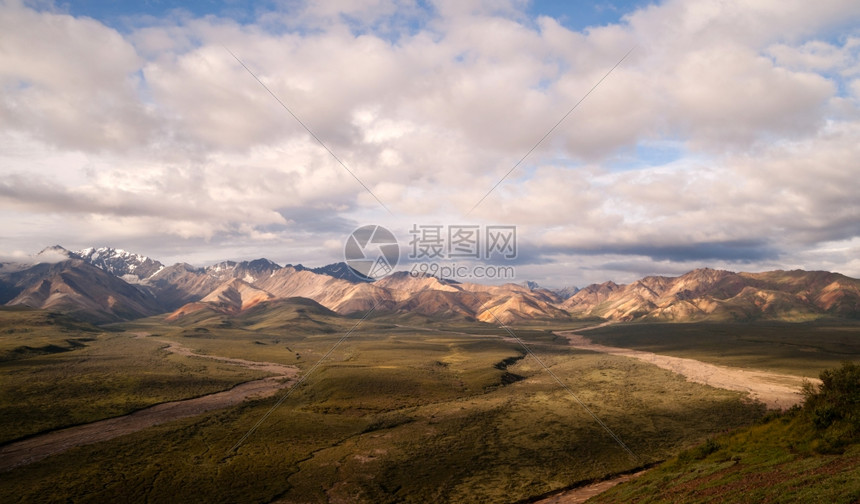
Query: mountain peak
(339,270)
(55,249)
(122,263)
(53,254)
(262,265)
(566,292)
(248,271)
(531,285)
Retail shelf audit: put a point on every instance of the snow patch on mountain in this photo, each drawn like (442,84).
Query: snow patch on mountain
(131,267)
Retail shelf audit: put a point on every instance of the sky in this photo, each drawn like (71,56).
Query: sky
(620,138)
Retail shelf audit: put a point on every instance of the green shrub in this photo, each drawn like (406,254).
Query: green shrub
(833,408)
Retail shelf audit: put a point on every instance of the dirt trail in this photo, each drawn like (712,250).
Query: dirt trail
(582,494)
(39,447)
(776,390)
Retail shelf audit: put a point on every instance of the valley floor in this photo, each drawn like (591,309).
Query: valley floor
(776,390)
(397,413)
(773,389)
(41,446)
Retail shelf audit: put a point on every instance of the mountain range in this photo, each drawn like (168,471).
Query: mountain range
(106,285)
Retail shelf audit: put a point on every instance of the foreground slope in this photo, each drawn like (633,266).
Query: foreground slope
(809,454)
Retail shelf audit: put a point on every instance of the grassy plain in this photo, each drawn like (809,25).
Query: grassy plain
(441,413)
(802,349)
(56,372)
(28,333)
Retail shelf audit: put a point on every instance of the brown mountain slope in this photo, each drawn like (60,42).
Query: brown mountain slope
(441,304)
(425,295)
(78,288)
(231,297)
(702,294)
(832,293)
(707,294)
(182,283)
(518,307)
(230,288)
(403,285)
(586,300)
(237,295)
(335,294)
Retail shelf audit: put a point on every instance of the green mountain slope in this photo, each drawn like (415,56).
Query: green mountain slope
(808,454)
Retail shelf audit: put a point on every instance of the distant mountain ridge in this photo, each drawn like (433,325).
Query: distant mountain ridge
(707,294)
(106,284)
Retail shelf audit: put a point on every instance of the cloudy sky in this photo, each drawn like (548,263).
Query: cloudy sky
(729,137)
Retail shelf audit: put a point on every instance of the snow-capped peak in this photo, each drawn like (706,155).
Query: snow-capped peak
(122,263)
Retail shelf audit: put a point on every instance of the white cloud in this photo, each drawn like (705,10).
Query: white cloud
(159,132)
(814,55)
(729,95)
(69,81)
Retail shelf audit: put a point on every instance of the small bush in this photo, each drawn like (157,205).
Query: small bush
(833,408)
(708,447)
